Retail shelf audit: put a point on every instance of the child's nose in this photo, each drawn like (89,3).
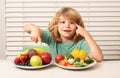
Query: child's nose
(67,25)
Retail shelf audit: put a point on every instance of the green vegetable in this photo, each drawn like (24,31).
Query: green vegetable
(89,61)
(68,55)
(82,63)
(77,59)
(77,64)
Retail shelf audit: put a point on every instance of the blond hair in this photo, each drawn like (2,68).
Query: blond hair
(69,13)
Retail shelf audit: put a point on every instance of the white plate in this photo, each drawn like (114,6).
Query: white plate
(77,68)
(32,67)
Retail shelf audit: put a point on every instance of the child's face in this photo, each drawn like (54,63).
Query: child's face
(66,28)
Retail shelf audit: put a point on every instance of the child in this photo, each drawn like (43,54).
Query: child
(65,32)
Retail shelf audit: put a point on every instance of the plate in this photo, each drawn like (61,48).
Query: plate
(77,68)
(32,67)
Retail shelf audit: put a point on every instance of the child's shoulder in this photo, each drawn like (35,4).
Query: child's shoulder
(81,42)
(45,31)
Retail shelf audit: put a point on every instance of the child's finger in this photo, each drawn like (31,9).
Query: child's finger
(32,38)
(77,25)
(77,33)
(39,40)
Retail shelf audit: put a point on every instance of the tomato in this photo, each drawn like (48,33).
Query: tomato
(59,57)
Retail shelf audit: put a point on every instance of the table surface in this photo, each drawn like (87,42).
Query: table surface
(105,69)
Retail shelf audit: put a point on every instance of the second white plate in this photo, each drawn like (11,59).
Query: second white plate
(77,68)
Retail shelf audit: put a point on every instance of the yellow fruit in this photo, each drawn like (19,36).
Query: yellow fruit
(76,52)
(39,50)
(18,56)
(24,52)
(82,54)
(79,53)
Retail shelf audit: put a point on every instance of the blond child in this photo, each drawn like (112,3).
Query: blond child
(65,32)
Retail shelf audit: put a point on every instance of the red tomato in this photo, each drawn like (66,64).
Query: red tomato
(59,57)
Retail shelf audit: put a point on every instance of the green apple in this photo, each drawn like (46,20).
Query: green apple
(35,61)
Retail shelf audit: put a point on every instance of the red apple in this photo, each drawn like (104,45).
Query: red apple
(59,57)
(23,58)
(46,57)
(32,52)
(16,60)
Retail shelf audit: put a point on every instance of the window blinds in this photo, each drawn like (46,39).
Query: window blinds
(101,18)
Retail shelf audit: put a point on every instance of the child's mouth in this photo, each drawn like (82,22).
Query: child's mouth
(67,30)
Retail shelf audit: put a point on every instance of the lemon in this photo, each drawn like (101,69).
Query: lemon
(39,50)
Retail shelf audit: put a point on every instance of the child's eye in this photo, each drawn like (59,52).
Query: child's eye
(63,22)
(71,22)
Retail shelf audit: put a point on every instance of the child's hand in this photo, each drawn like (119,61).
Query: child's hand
(36,35)
(80,31)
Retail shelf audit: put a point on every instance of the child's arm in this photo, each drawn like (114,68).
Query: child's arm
(96,52)
(34,31)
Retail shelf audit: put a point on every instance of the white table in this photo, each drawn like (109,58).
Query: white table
(105,69)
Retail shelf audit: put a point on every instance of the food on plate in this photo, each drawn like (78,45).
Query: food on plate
(59,57)
(77,58)
(39,50)
(32,52)
(17,60)
(32,57)
(79,53)
(35,61)
(46,57)
(23,58)
(25,52)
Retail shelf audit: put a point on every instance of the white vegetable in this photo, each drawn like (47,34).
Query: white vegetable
(71,61)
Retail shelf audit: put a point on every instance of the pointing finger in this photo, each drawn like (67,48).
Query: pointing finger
(39,40)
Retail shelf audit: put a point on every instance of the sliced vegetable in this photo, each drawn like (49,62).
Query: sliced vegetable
(71,60)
